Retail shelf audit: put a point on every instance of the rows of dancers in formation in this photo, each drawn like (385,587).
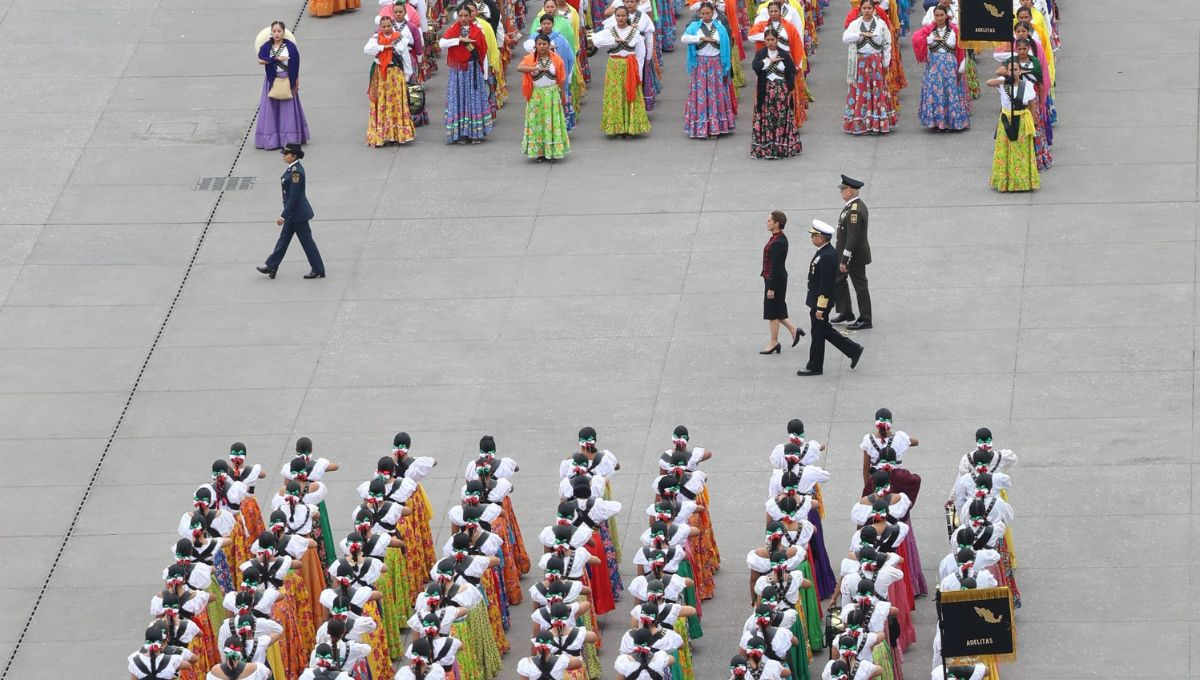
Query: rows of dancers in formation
(675,566)
(478,38)
(869,624)
(979,519)
(248,597)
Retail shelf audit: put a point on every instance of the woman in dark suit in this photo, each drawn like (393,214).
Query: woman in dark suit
(774,273)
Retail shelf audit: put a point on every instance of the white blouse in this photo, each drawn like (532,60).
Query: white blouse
(579,538)
(299,522)
(320,465)
(607,465)
(575,561)
(771,669)
(669,641)
(222,523)
(669,613)
(810,450)
(445,650)
(627,666)
(490,546)
(435,672)
(879,615)
(860,514)
(810,477)
(882,36)
(398,491)
(502,468)
(695,482)
(780,644)
(864,671)
(467,596)
(773,511)
(983,579)
(490,512)
(606,39)
(527,669)
(166,665)
(1001,460)
(695,457)
(964,486)
(261,672)
(673,588)
(708,49)
(977,674)
(574,590)
(900,442)
(597,483)
(675,538)
(884,578)
(350,653)
(750,627)
(856,539)
(949,37)
(360,626)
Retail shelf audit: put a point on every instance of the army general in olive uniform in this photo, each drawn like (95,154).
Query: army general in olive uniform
(854,254)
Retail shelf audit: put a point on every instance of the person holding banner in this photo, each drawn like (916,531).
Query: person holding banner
(975,672)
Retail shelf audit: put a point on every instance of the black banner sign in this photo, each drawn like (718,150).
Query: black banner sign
(977,622)
(985,20)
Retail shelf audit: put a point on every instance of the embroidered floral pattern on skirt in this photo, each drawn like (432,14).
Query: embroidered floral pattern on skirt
(708,111)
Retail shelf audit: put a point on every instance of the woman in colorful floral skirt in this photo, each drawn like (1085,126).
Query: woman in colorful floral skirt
(791,41)
(869,106)
(390,121)
(651,68)
(1029,69)
(944,101)
(562,48)
(1014,163)
(624,111)
(543,86)
(708,111)
(468,113)
(774,135)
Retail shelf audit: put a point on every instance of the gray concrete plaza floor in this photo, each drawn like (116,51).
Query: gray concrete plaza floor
(470,291)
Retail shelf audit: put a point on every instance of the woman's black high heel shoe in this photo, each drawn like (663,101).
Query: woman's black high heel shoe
(774,350)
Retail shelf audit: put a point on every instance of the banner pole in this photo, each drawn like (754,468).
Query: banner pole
(941,633)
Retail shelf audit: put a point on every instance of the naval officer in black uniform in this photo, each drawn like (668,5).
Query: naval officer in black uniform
(294,218)
(821,274)
(854,254)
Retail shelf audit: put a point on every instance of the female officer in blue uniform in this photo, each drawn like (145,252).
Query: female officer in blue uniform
(294,218)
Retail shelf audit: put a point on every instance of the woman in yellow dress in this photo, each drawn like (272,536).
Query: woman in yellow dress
(390,121)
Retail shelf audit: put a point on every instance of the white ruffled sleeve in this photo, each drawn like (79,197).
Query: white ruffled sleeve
(860,513)
(602,510)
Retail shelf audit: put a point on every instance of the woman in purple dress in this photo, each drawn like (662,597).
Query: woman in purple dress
(280,116)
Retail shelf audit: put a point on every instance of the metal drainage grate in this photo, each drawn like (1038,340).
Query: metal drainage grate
(225,183)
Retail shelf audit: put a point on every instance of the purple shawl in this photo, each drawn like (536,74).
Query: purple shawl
(293,67)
